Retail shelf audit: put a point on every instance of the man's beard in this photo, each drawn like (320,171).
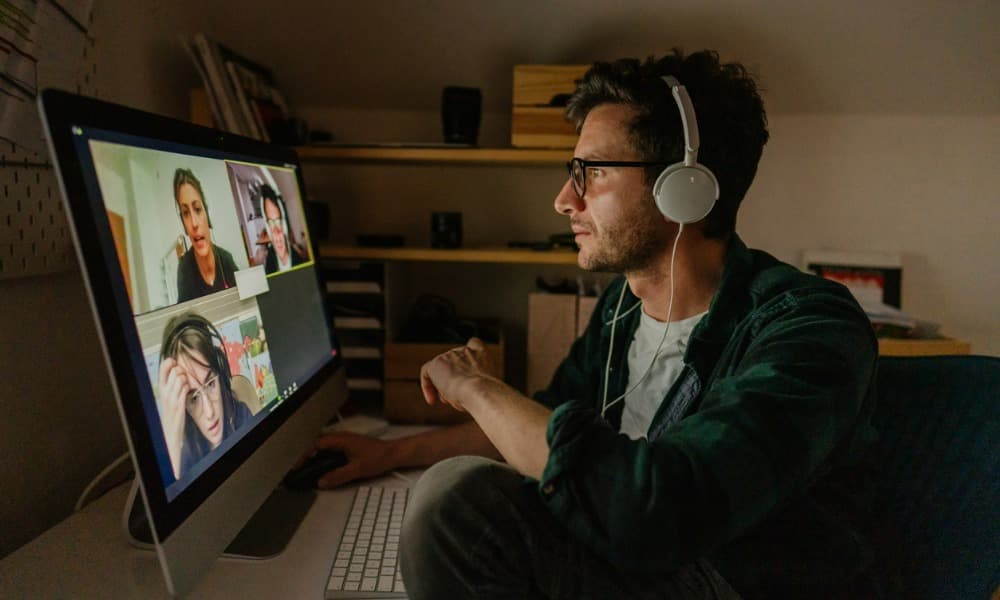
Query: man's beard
(629,245)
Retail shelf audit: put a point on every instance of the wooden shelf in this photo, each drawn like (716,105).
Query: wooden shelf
(472,156)
(474,255)
(913,347)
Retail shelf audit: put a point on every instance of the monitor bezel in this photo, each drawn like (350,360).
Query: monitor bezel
(105,285)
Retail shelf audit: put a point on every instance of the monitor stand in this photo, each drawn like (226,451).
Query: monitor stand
(265,535)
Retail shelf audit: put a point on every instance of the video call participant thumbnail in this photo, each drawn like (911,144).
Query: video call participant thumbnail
(205,267)
(198,408)
(281,253)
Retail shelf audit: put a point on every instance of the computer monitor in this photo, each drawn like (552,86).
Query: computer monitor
(204,284)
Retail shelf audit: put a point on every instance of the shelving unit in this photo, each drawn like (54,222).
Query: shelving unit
(356,293)
(442,155)
(915,347)
(456,158)
(472,255)
(435,154)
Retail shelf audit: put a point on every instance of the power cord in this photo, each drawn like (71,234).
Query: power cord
(82,500)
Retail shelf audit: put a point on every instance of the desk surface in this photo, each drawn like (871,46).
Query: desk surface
(88,556)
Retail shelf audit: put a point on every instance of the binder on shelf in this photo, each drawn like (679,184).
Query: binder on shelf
(353,287)
(361,353)
(357,323)
(242,93)
(365,384)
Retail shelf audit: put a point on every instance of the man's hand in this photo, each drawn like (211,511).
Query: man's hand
(366,457)
(448,376)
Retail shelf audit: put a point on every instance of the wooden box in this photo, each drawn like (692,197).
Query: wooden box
(404,402)
(539,113)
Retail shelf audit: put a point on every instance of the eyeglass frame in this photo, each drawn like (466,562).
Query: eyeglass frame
(199,395)
(581,187)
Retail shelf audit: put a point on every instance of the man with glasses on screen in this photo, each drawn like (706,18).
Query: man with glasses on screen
(281,254)
(702,438)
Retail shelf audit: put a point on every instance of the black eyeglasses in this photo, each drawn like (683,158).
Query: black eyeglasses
(577,169)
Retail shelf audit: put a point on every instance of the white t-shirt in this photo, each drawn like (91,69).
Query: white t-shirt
(642,403)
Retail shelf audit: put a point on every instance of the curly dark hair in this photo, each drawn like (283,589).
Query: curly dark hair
(731,119)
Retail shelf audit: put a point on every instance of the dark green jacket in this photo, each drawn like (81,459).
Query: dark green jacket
(750,460)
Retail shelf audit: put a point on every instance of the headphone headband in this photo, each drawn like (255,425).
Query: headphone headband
(196,321)
(685,192)
(688,119)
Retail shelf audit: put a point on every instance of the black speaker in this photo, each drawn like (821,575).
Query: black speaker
(460,113)
(446,230)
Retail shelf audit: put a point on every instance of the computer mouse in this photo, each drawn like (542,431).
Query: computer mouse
(307,476)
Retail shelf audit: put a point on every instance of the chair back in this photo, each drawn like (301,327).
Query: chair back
(245,392)
(938,419)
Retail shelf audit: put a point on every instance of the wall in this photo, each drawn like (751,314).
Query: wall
(61,425)
(922,186)
(885,123)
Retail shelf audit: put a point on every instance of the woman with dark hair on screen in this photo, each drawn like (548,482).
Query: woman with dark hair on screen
(197,406)
(205,267)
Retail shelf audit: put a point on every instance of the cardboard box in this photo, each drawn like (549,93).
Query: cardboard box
(404,402)
(554,323)
(539,111)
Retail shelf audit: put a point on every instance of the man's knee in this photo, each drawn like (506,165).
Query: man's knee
(447,492)
(443,523)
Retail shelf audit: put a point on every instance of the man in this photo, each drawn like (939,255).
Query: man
(281,254)
(700,440)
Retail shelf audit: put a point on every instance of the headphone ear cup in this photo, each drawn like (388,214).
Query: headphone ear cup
(685,194)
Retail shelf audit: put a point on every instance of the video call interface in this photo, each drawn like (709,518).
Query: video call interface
(217,266)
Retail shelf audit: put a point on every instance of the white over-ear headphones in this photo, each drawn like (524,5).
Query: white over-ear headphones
(685,192)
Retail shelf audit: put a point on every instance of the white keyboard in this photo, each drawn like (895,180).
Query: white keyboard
(367,561)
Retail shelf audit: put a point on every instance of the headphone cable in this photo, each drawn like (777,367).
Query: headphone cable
(605,405)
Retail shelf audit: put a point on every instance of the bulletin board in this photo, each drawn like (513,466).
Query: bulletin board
(43,43)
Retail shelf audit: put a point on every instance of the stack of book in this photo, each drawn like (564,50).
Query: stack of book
(241,92)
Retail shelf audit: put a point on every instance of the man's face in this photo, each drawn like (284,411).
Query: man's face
(195,219)
(617,225)
(276,228)
(204,404)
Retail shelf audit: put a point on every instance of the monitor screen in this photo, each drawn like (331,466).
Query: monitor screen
(199,263)
(215,259)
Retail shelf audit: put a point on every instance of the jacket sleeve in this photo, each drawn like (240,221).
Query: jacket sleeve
(766,428)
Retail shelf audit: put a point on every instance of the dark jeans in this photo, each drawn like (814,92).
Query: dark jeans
(473,529)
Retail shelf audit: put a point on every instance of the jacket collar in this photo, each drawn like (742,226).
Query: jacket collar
(729,306)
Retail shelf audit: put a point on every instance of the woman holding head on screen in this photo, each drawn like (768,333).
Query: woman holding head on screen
(197,406)
(205,267)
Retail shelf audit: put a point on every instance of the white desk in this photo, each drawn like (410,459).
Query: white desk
(88,556)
